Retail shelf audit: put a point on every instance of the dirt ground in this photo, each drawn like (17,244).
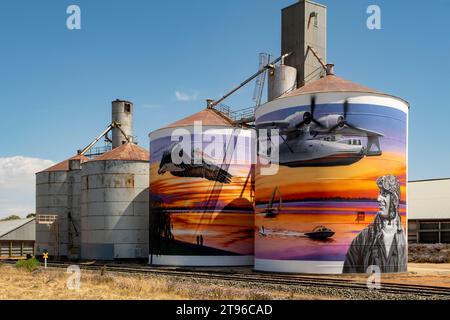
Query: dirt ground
(429,274)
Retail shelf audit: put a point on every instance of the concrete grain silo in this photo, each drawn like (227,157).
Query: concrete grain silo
(340,187)
(201,192)
(114,204)
(110,206)
(282,79)
(58,208)
(122,113)
(334,199)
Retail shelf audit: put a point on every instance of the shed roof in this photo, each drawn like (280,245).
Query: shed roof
(126,152)
(64,165)
(11,225)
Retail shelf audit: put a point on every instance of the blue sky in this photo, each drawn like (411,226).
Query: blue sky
(56,85)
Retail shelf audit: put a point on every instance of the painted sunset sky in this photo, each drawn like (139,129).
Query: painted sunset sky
(230,225)
(186,193)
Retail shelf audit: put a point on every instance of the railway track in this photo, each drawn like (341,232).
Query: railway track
(268,279)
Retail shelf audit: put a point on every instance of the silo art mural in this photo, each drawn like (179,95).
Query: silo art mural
(338,201)
(202,190)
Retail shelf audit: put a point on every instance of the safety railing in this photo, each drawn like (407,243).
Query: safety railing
(239,116)
(46,218)
(98,151)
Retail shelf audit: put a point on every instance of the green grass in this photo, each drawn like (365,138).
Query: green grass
(29,265)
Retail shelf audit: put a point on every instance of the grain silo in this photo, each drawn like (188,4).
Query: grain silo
(340,184)
(201,192)
(58,208)
(122,114)
(334,200)
(114,204)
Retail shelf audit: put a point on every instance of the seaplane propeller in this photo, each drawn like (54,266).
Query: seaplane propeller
(308,117)
(343,120)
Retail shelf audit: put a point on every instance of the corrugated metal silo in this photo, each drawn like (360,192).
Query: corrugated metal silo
(114,204)
(201,192)
(337,202)
(57,194)
(282,79)
(73,202)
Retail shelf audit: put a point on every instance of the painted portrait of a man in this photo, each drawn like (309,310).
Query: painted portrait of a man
(382,243)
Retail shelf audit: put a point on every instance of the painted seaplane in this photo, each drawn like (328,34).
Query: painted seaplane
(327,141)
(206,169)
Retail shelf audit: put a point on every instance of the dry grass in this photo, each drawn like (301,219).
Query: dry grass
(50,284)
(429,253)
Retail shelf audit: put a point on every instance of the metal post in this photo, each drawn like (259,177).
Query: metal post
(57,239)
(439,232)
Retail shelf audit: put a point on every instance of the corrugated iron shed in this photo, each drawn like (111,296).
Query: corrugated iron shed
(7,228)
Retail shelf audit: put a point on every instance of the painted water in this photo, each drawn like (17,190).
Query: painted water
(228,231)
(282,237)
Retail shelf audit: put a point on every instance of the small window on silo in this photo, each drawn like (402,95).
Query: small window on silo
(316,20)
(127,107)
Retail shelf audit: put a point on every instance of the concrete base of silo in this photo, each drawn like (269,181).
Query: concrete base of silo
(201,261)
(288,266)
(112,251)
(98,251)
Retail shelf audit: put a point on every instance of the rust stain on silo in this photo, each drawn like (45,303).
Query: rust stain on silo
(130,181)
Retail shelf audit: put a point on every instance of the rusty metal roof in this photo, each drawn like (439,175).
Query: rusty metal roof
(208,117)
(126,152)
(64,165)
(330,83)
